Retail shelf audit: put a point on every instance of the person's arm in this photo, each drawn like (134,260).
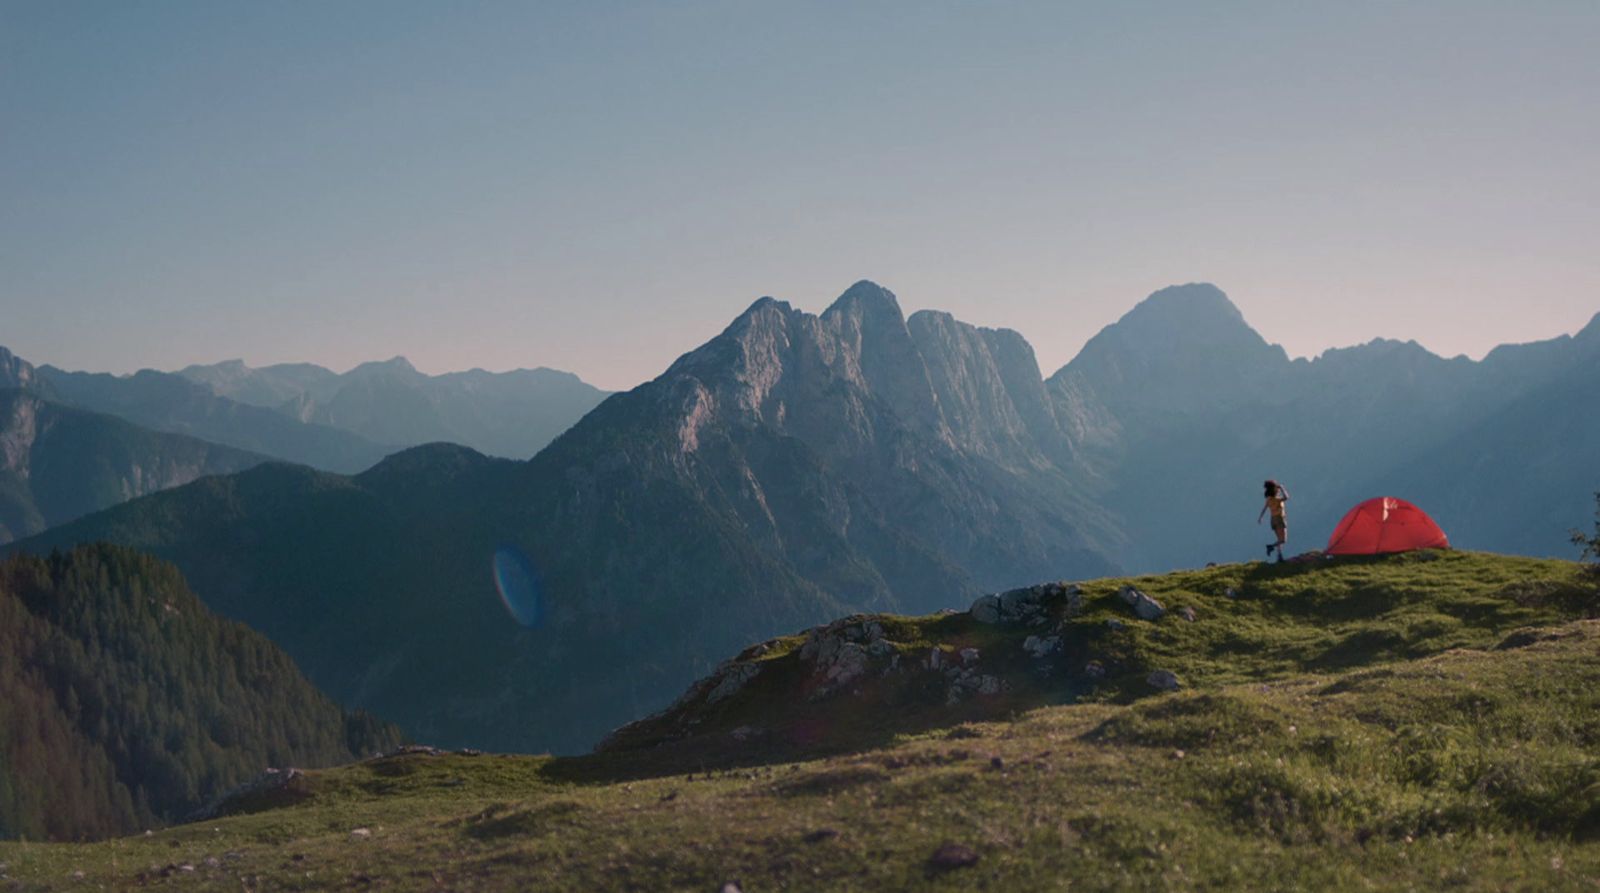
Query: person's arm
(1262,513)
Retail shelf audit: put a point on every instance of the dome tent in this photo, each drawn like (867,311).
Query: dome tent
(1383,525)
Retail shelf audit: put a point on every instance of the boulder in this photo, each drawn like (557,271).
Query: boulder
(986,609)
(951,856)
(969,682)
(1145,607)
(841,652)
(1165,680)
(1041,647)
(1027,606)
(733,679)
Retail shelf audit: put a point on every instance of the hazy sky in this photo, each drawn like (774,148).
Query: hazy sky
(601,186)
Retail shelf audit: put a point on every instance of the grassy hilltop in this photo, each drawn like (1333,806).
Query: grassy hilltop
(1424,721)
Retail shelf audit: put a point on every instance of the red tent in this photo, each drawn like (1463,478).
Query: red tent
(1385,524)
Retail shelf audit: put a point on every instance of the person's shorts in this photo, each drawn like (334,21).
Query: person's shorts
(1280,524)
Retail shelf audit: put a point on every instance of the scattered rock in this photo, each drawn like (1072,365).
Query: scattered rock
(211,862)
(952,856)
(1232,592)
(1187,613)
(839,653)
(935,658)
(986,609)
(969,682)
(361,834)
(1145,607)
(997,762)
(415,749)
(1115,625)
(731,887)
(1094,670)
(969,656)
(1040,647)
(1027,606)
(469,752)
(820,835)
(1165,680)
(733,679)
(1178,754)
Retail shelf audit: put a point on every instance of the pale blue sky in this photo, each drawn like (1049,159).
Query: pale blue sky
(601,186)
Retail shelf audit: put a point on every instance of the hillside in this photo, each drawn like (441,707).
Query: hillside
(126,704)
(512,414)
(59,463)
(1414,722)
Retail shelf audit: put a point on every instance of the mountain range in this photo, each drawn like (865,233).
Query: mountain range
(76,442)
(800,466)
(512,414)
(1188,409)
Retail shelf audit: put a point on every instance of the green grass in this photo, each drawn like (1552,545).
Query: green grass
(1387,725)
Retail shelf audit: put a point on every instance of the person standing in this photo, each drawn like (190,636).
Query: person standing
(1276,496)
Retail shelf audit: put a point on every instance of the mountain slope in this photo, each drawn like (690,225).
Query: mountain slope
(166,402)
(58,463)
(124,703)
(513,414)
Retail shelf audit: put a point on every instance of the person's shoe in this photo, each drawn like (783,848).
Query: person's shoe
(1270,547)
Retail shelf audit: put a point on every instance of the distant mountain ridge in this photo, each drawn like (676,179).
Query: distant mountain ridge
(1186,409)
(512,414)
(166,402)
(59,463)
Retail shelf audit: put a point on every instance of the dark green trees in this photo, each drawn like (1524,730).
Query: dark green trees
(125,703)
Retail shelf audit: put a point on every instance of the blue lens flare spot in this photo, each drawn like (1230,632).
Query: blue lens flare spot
(518,585)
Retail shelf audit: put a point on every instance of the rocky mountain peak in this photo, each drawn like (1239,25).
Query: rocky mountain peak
(15,372)
(866,299)
(393,366)
(1187,312)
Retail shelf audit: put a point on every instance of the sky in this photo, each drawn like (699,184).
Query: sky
(599,186)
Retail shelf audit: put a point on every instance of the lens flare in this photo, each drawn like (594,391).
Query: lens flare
(517,584)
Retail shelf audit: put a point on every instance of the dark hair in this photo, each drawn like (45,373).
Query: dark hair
(1272,488)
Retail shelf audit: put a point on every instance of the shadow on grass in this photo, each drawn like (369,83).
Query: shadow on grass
(808,737)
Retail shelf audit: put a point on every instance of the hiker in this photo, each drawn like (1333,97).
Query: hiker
(1276,496)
